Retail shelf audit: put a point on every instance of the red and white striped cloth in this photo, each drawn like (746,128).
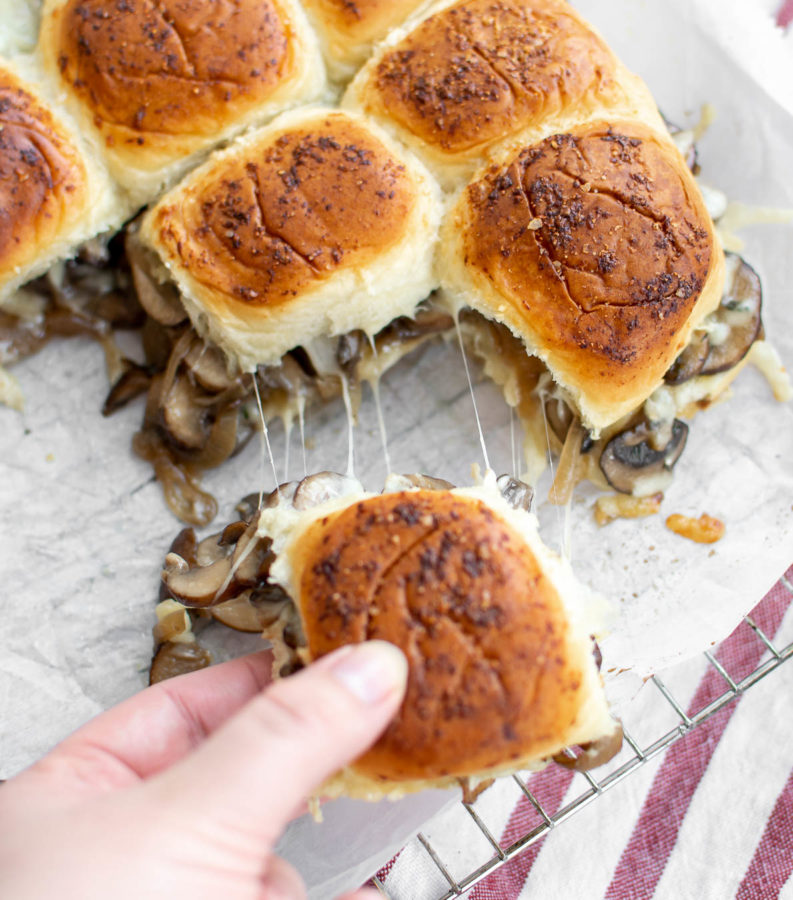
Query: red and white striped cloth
(711,818)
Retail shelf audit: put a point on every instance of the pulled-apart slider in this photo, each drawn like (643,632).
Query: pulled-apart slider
(497,632)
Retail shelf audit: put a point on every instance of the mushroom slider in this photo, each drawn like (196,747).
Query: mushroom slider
(497,632)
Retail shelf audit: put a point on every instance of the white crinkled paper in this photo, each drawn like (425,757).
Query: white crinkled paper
(84,527)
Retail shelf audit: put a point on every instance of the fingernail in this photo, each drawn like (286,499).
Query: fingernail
(371,672)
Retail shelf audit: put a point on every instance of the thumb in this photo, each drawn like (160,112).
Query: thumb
(255,770)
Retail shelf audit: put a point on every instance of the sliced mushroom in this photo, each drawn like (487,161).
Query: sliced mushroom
(173,659)
(593,754)
(197,587)
(252,611)
(691,361)
(183,546)
(161,301)
(248,505)
(323,486)
(232,533)
(252,559)
(170,627)
(184,422)
(210,550)
(349,351)
(631,464)
(739,314)
(731,329)
(221,443)
(517,493)
(134,381)
(422,482)
(209,367)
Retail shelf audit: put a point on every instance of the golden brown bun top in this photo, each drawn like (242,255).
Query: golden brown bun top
(259,224)
(42,177)
(458,590)
(482,69)
(172,67)
(361,20)
(599,244)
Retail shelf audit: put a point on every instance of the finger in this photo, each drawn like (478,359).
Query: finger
(157,727)
(282,882)
(284,744)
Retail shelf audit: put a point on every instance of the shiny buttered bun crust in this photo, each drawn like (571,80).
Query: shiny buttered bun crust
(347,30)
(52,193)
(495,629)
(159,81)
(475,72)
(314,226)
(594,247)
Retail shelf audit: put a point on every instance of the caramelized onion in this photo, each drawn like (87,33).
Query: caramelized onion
(182,493)
(567,470)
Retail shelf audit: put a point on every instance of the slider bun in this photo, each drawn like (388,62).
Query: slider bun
(502,673)
(473,73)
(594,247)
(315,225)
(348,30)
(53,194)
(159,82)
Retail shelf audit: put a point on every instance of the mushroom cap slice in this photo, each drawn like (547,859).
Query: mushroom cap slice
(691,360)
(517,493)
(633,466)
(252,611)
(740,314)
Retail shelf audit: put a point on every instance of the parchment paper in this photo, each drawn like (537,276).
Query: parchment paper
(83,528)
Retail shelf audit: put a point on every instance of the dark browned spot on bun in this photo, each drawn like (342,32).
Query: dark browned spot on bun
(40,176)
(598,241)
(481,69)
(442,577)
(172,66)
(272,222)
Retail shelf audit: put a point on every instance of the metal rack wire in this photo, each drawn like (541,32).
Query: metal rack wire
(595,787)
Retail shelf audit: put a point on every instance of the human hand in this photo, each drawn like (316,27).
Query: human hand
(183,790)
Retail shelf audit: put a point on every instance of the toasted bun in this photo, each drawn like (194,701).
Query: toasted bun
(315,225)
(477,71)
(594,247)
(53,194)
(497,638)
(159,82)
(347,30)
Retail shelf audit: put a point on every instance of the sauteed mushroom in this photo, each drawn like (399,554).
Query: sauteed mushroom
(633,466)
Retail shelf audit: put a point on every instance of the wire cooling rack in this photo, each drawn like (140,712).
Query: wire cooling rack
(640,754)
